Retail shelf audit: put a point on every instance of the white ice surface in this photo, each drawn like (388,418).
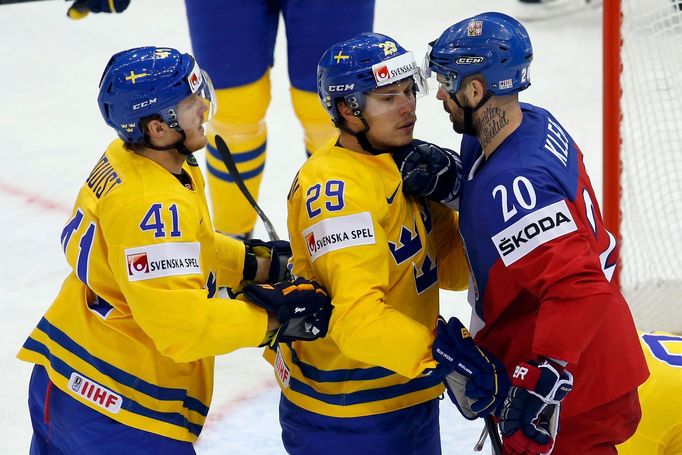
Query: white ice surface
(51,135)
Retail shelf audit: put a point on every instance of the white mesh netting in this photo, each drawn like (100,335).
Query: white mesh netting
(651,156)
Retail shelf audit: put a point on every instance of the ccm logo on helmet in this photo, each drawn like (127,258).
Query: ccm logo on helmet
(533,230)
(469,60)
(144,104)
(341,87)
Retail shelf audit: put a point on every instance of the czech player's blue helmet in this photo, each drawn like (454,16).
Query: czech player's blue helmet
(492,44)
(351,69)
(145,81)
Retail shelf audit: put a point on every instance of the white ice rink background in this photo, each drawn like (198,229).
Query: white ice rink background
(51,134)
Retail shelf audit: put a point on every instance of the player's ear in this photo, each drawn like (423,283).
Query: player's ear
(347,115)
(156,128)
(478,88)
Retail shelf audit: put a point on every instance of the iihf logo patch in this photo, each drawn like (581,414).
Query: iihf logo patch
(138,264)
(95,393)
(76,384)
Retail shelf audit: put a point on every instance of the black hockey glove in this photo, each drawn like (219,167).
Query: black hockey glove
(302,307)
(431,172)
(279,252)
(80,8)
(476,381)
(529,417)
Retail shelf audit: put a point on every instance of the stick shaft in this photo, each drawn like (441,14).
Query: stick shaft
(227,158)
(495,440)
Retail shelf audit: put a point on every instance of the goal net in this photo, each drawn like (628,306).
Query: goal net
(643,154)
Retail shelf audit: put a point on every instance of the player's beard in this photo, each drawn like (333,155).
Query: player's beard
(457,119)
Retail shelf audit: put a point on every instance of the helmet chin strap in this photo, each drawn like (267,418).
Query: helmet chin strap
(179,145)
(469,127)
(361,136)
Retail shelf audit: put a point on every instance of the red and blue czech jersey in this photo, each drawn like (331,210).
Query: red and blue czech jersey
(542,262)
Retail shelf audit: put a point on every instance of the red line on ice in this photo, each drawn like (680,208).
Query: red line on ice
(34,199)
(221,411)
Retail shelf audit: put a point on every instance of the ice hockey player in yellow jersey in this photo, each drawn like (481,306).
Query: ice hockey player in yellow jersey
(660,430)
(372,385)
(124,355)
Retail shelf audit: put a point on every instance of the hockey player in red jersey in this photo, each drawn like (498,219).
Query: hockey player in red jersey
(541,260)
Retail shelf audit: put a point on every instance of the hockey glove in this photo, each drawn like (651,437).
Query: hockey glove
(80,8)
(279,252)
(302,307)
(431,172)
(530,414)
(475,380)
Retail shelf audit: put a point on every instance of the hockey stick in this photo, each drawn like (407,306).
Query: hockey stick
(9,2)
(495,440)
(227,158)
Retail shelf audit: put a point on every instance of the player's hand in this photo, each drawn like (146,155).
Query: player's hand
(529,416)
(475,380)
(278,252)
(80,8)
(302,307)
(431,172)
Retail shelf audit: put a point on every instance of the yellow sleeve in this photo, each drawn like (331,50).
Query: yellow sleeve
(161,278)
(230,254)
(453,271)
(355,270)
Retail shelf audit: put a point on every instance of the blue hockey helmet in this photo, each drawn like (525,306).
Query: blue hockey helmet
(492,44)
(144,81)
(351,69)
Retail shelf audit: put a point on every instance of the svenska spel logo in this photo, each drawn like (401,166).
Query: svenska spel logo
(310,241)
(381,73)
(138,264)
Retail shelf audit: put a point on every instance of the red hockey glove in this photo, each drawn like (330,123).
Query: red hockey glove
(530,414)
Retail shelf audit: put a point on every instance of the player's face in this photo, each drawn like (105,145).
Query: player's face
(456,113)
(191,116)
(390,112)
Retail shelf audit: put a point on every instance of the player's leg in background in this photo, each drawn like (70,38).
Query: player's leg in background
(233,40)
(312,26)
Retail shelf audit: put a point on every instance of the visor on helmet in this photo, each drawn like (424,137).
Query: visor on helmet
(200,83)
(437,77)
(391,97)
(392,90)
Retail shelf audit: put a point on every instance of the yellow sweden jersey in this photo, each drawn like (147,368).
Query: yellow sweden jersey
(660,430)
(354,231)
(136,323)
